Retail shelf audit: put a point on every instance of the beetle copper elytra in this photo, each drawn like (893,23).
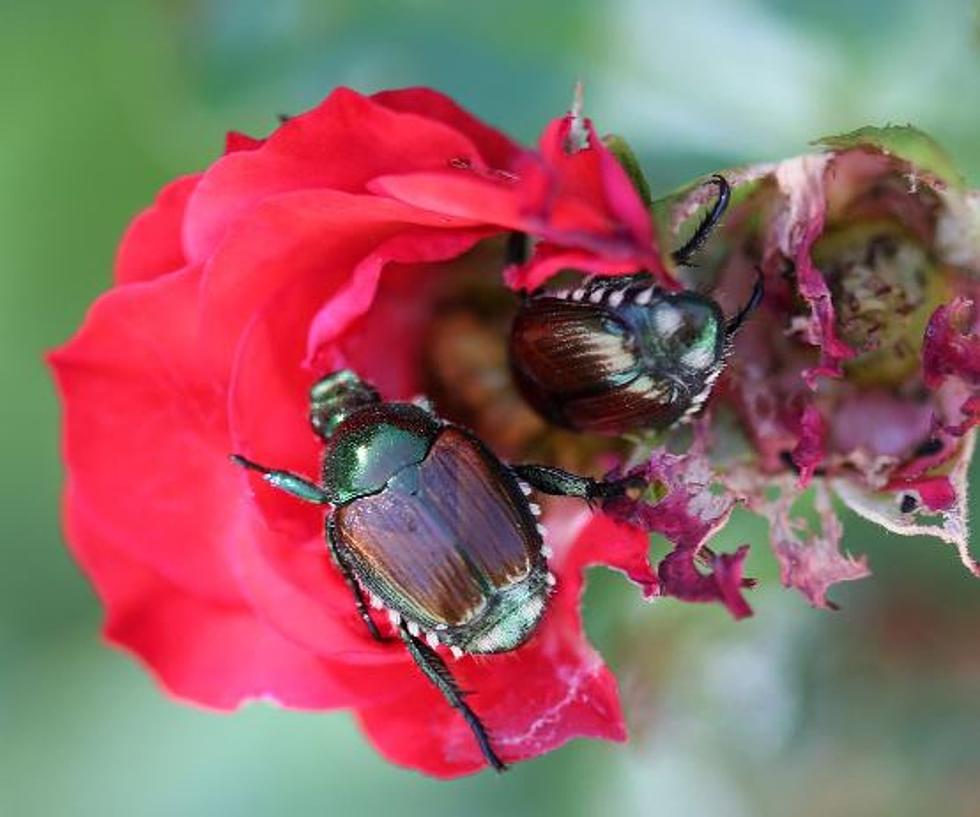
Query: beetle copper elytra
(429,526)
(621,354)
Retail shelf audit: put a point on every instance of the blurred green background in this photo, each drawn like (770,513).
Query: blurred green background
(874,710)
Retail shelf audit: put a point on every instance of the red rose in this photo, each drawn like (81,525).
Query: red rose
(320,247)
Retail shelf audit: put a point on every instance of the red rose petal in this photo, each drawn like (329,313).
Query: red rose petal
(145,431)
(582,205)
(216,654)
(496,149)
(398,320)
(324,233)
(236,141)
(305,153)
(152,244)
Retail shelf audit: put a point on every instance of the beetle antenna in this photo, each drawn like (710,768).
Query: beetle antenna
(758,290)
(682,256)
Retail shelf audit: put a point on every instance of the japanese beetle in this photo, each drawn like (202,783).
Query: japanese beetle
(621,354)
(427,524)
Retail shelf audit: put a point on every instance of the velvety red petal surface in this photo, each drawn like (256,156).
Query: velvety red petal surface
(145,432)
(215,653)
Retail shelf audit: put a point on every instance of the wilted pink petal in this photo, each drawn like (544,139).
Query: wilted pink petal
(680,577)
(802,181)
(813,563)
(885,508)
(811,449)
(952,344)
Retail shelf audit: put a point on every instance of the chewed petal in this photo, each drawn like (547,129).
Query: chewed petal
(688,513)
(949,525)
(951,349)
(811,449)
(811,564)
(802,182)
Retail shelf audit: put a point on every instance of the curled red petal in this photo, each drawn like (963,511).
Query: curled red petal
(236,141)
(305,152)
(495,148)
(152,243)
(581,204)
(723,583)
(321,233)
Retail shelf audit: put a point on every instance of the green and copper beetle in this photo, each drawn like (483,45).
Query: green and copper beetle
(621,354)
(427,524)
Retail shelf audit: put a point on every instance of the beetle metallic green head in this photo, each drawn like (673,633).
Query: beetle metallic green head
(335,397)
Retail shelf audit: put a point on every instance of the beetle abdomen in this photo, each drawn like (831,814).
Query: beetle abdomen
(444,537)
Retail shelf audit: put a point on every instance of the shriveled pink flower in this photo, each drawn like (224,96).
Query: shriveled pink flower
(860,374)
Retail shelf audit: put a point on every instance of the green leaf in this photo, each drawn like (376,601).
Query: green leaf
(619,148)
(904,142)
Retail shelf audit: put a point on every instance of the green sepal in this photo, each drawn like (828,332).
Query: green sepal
(619,148)
(903,142)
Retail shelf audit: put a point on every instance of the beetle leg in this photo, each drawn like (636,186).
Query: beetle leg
(758,290)
(683,254)
(558,482)
(285,481)
(348,574)
(435,669)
